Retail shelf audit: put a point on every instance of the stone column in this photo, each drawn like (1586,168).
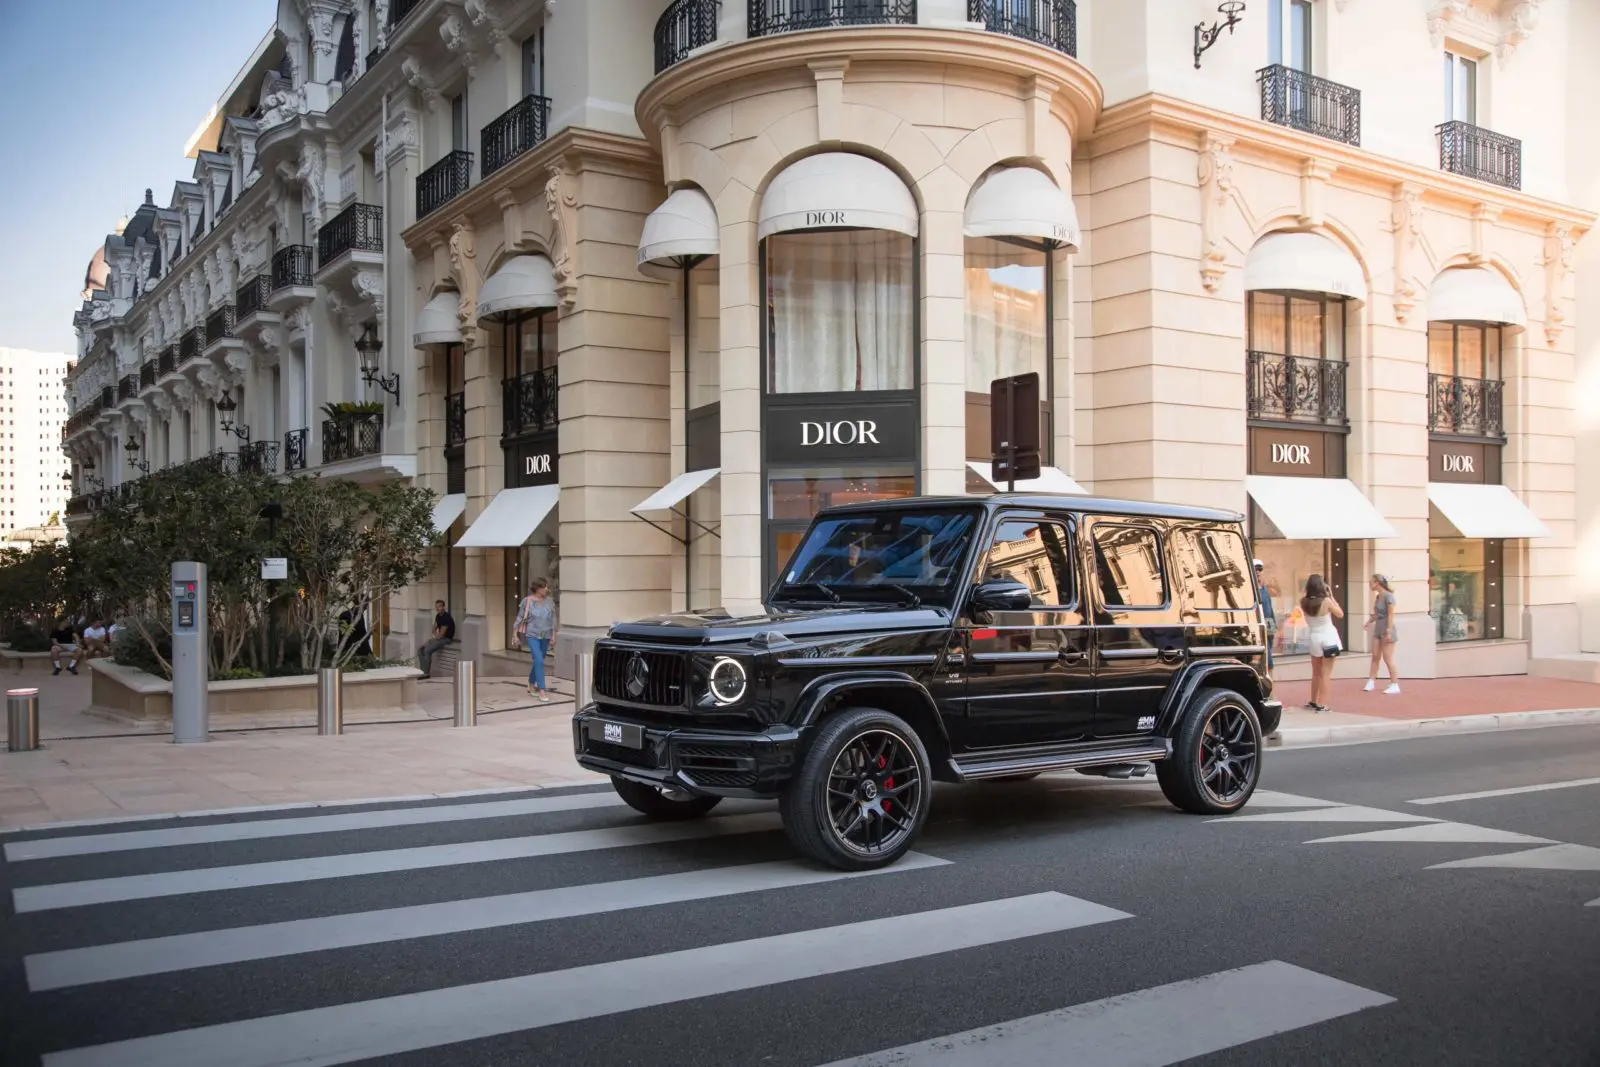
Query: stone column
(944,342)
(742,491)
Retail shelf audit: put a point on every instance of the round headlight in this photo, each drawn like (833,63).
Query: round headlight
(727,681)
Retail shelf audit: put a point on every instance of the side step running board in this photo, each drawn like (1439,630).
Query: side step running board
(976,768)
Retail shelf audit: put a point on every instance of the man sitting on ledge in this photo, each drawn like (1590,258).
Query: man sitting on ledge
(444,632)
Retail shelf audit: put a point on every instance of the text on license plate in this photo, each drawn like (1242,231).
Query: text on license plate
(626,734)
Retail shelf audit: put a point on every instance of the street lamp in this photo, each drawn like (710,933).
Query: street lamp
(228,405)
(1205,38)
(132,449)
(369,346)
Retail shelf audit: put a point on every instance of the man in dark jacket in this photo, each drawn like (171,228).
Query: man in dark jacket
(444,632)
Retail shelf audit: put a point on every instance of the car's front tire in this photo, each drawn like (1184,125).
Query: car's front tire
(861,796)
(1216,755)
(662,803)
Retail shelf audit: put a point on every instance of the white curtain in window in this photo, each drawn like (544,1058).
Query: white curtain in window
(1006,304)
(841,311)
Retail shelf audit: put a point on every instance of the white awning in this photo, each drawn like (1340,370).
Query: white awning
(1491,511)
(1307,262)
(837,190)
(683,229)
(677,490)
(437,323)
(1022,202)
(525,283)
(1318,509)
(1050,480)
(1473,294)
(511,517)
(448,510)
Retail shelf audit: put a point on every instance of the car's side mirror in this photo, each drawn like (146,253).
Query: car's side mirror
(1002,594)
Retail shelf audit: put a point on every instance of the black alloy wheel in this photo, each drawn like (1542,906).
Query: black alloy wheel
(862,794)
(1216,755)
(662,802)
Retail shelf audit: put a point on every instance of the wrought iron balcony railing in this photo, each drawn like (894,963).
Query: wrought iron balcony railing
(1283,388)
(219,324)
(259,457)
(525,125)
(351,436)
(358,227)
(443,182)
(375,55)
(127,386)
(294,450)
(108,397)
(455,419)
(147,374)
(399,9)
(1053,23)
(291,265)
(190,344)
(1311,104)
(683,27)
(1474,152)
(530,403)
(167,361)
(1472,407)
(251,296)
(785,16)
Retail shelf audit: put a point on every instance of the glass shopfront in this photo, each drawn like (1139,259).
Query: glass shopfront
(703,343)
(1009,331)
(455,437)
(1287,563)
(1466,576)
(530,412)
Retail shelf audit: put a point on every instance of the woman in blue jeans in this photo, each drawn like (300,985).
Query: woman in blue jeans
(536,624)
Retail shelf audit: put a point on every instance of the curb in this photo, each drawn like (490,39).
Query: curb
(1395,730)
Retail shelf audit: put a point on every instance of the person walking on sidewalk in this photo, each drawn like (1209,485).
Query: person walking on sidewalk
(536,624)
(1381,628)
(1320,609)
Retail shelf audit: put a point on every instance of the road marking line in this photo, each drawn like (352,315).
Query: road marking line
(182,952)
(1458,833)
(1270,798)
(1152,1027)
(1593,903)
(1340,813)
(393,1025)
(1514,791)
(318,868)
(1549,858)
(211,833)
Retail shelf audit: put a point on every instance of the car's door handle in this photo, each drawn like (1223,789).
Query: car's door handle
(1172,655)
(1072,657)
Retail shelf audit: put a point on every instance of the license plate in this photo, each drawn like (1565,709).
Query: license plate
(616,733)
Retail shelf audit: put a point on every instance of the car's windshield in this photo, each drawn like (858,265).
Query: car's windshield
(905,555)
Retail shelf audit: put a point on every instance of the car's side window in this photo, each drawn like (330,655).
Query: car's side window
(1039,555)
(1128,567)
(1216,569)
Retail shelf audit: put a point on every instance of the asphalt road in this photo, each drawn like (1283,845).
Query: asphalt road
(1068,921)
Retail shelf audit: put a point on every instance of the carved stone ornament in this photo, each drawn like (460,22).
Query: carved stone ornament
(456,32)
(1504,24)
(1405,218)
(463,248)
(1216,188)
(368,285)
(238,365)
(488,19)
(1558,258)
(182,393)
(338,308)
(561,198)
(401,136)
(417,78)
(160,403)
(209,378)
(299,319)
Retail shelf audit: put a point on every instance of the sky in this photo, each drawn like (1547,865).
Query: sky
(97,100)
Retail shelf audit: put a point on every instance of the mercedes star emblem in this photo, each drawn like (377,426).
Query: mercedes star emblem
(638,674)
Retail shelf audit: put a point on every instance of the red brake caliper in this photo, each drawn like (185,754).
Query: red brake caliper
(888,783)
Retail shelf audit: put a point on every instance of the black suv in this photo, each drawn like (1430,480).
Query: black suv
(947,639)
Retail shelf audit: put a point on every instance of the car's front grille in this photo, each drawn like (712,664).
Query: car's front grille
(640,676)
(725,765)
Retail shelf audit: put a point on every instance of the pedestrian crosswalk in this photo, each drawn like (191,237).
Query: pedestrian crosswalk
(432,929)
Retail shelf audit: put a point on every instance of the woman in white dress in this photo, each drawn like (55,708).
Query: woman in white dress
(1320,609)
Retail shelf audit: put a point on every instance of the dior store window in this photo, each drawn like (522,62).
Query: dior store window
(455,439)
(703,434)
(530,413)
(1009,328)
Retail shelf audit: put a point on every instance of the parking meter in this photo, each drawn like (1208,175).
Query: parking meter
(190,654)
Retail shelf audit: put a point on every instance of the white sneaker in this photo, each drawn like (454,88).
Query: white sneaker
(1369,687)
(1394,687)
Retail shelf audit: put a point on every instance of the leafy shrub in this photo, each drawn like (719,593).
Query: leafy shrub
(27,639)
(129,649)
(234,674)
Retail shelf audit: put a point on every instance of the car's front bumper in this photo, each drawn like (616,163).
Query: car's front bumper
(721,763)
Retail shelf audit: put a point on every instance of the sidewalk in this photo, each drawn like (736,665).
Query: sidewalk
(524,745)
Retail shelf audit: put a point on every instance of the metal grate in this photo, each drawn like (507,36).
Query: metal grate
(786,16)
(294,450)
(683,27)
(530,403)
(358,227)
(291,265)
(1472,407)
(1474,152)
(219,324)
(1306,102)
(524,125)
(352,436)
(443,182)
(1295,388)
(1053,23)
(663,675)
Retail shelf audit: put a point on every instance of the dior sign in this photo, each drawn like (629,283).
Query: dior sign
(1291,455)
(825,218)
(846,432)
(811,429)
(1456,463)
(532,465)
(1296,453)
(1469,462)
(533,460)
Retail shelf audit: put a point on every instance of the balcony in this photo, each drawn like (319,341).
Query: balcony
(351,437)
(251,297)
(294,450)
(358,228)
(191,344)
(513,133)
(127,387)
(786,16)
(1052,23)
(375,55)
(530,403)
(147,374)
(443,182)
(1470,407)
(108,397)
(167,361)
(1474,152)
(455,420)
(1305,389)
(1310,104)
(219,325)
(399,9)
(259,457)
(291,266)
(683,27)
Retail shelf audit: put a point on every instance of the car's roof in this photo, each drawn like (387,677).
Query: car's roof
(1098,505)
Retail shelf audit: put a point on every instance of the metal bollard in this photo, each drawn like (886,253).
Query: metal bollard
(582,680)
(22,719)
(330,700)
(466,693)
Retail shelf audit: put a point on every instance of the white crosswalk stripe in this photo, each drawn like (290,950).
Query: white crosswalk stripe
(1550,858)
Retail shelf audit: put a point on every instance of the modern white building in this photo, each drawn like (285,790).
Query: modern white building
(33,410)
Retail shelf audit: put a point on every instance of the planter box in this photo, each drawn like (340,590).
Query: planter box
(127,694)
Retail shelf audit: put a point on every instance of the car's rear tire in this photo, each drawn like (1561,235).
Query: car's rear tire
(1216,755)
(860,798)
(662,803)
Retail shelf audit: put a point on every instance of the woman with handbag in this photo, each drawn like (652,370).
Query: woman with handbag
(1381,629)
(1320,609)
(536,624)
